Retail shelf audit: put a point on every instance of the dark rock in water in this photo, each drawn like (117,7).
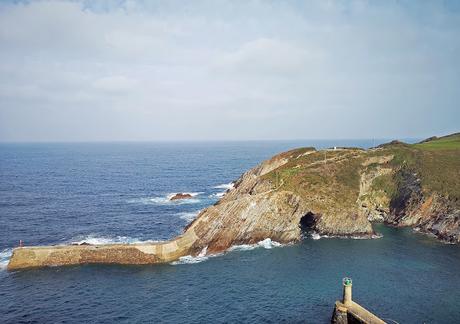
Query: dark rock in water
(181,196)
(84,243)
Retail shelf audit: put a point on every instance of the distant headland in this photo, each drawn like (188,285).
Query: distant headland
(334,192)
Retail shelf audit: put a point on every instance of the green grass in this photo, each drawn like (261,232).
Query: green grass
(386,183)
(309,177)
(436,163)
(444,143)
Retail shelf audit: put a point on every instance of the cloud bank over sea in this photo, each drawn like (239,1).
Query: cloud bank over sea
(126,70)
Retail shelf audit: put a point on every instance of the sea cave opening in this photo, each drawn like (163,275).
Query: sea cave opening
(307,222)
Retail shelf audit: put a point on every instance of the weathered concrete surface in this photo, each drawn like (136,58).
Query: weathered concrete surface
(340,315)
(353,313)
(148,253)
(347,311)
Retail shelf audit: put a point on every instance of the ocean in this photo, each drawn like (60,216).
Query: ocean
(55,193)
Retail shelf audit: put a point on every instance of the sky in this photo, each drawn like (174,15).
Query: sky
(228,70)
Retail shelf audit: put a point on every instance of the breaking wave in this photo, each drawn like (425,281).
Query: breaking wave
(188,259)
(166,200)
(188,216)
(316,236)
(217,195)
(5,256)
(94,239)
(226,186)
(266,244)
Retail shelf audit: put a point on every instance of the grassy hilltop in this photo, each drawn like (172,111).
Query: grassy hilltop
(402,184)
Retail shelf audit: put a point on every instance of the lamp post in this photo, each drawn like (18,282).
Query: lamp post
(347,284)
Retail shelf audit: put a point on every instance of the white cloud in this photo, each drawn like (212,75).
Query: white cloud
(169,70)
(115,84)
(265,56)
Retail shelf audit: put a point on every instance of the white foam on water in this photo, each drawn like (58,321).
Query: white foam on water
(266,244)
(188,259)
(193,194)
(218,195)
(95,239)
(315,236)
(227,186)
(360,237)
(242,247)
(166,200)
(188,216)
(5,256)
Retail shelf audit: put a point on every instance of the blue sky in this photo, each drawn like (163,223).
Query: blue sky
(228,70)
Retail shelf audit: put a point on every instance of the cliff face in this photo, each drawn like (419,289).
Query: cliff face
(422,189)
(273,201)
(429,212)
(254,210)
(340,192)
(336,192)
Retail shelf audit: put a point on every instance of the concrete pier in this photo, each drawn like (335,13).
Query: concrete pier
(142,253)
(347,311)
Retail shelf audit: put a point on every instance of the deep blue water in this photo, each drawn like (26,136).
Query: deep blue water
(57,193)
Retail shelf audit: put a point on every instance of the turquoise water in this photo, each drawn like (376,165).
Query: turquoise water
(56,193)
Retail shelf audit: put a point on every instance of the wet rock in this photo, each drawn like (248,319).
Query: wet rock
(180,195)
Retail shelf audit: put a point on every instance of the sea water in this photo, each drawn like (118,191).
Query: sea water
(118,192)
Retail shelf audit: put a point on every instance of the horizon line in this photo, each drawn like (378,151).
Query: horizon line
(207,140)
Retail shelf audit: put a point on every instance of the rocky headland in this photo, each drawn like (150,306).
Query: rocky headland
(334,192)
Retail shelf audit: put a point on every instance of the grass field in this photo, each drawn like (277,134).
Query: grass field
(446,142)
(435,162)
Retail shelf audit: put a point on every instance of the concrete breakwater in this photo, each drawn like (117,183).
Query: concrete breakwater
(142,253)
